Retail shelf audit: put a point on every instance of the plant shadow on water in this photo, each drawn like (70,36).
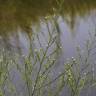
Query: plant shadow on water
(40,72)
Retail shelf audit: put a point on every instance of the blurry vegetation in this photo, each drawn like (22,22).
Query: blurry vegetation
(35,71)
(16,14)
(20,15)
